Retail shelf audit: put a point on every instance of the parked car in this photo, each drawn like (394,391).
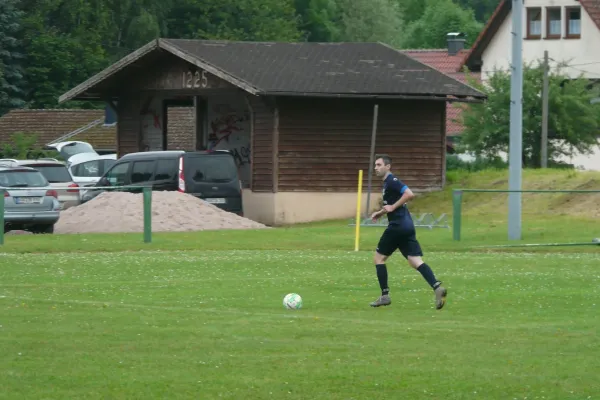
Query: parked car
(87,168)
(59,177)
(68,149)
(210,176)
(35,209)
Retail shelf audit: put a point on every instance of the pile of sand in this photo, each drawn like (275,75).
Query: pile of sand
(171,212)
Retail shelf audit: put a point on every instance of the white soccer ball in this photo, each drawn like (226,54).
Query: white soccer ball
(292,301)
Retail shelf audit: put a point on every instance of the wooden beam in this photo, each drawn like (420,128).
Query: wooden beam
(378,96)
(276,150)
(252,165)
(164,44)
(444,133)
(100,76)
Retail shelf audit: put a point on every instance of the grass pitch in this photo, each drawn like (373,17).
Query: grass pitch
(211,325)
(200,315)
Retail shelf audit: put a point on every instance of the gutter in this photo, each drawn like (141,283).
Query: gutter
(473,99)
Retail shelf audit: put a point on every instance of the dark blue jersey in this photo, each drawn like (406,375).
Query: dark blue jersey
(393,189)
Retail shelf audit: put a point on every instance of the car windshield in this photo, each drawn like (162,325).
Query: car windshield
(75,148)
(213,168)
(22,178)
(53,173)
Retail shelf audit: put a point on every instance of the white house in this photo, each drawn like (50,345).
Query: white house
(568,29)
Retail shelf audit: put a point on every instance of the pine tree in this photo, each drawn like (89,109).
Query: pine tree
(11,72)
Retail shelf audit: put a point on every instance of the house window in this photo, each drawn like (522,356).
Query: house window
(553,22)
(573,22)
(534,23)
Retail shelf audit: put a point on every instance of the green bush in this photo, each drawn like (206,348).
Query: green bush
(23,147)
(454,163)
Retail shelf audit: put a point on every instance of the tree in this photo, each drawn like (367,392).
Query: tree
(439,18)
(483,9)
(321,20)
(351,20)
(253,20)
(412,10)
(129,24)
(11,72)
(23,146)
(573,122)
(371,21)
(63,42)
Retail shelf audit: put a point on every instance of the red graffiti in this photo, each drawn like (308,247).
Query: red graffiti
(155,118)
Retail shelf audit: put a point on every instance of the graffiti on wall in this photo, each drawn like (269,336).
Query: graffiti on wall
(241,155)
(229,129)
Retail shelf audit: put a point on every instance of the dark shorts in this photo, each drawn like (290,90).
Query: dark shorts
(401,238)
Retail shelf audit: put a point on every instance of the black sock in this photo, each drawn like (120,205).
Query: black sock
(383,278)
(428,275)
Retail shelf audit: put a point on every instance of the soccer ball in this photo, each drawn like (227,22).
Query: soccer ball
(292,301)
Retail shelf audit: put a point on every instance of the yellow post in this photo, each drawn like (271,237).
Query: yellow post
(357,236)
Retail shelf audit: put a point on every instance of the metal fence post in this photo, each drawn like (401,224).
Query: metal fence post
(2,217)
(147,214)
(456,214)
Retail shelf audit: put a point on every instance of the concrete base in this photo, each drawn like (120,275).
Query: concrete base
(286,208)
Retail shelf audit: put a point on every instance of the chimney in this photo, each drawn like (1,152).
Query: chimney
(456,42)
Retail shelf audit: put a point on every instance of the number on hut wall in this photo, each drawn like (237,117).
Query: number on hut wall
(195,80)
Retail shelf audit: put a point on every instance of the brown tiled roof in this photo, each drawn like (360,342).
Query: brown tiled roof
(441,60)
(51,124)
(328,68)
(592,7)
(294,69)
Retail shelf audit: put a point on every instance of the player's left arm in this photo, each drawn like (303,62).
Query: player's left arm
(407,195)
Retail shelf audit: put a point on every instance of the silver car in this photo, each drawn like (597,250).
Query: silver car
(59,177)
(34,207)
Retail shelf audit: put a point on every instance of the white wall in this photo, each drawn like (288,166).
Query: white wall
(152,126)
(589,162)
(585,162)
(229,129)
(585,50)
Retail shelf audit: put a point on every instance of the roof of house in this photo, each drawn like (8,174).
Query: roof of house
(299,69)
(451,65)
(592,7)
(50,124)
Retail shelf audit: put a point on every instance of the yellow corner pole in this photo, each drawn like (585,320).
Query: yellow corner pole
(358,200)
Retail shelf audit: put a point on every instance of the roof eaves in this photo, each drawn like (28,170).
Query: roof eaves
(439,97)
(593,9)
(487,30)
(167,45)
(119,65)
(432,67)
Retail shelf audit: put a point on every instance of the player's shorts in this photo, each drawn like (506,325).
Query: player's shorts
(401,238)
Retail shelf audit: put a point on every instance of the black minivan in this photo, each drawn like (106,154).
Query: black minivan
(209,175)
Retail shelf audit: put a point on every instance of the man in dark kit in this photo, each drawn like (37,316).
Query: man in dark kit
(400,234)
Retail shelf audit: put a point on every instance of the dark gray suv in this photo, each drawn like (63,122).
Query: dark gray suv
(208,175)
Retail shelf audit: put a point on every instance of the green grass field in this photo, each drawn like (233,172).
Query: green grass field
(210,324)
(200,315)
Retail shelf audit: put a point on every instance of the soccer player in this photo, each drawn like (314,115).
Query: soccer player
(400,234)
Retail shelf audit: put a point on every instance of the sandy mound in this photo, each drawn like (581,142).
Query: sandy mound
(171,212)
